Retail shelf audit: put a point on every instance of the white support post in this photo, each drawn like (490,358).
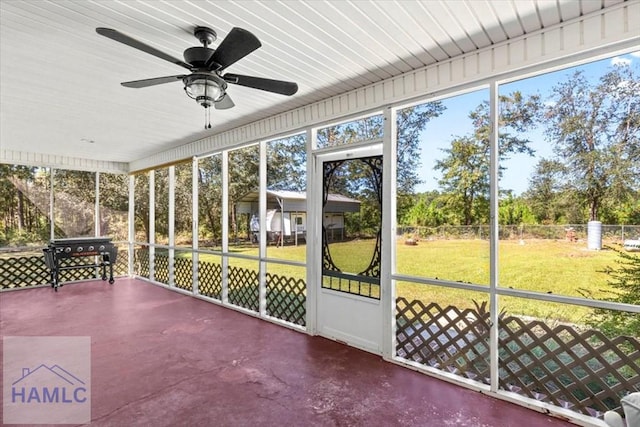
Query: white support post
(52,223)
(96,216)
(262,209)
(131,233)
(194,224)
(152,225)
(493,234)
(172,216)
(387,268)
(96,213)
(313,259)
(225,227)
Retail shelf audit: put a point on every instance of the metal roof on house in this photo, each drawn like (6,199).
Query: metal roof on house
(296,201)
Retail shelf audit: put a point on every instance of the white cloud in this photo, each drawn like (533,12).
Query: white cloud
(636,54)
(620,61)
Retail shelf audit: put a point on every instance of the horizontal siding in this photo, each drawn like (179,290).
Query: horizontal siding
(61,162)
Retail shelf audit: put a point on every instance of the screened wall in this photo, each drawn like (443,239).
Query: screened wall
(490,281)
(493,200)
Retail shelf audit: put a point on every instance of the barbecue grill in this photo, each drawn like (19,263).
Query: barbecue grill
(100,250)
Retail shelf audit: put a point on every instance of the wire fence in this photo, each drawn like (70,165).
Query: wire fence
(610,233)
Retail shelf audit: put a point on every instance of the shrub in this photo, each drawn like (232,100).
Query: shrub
(624,288)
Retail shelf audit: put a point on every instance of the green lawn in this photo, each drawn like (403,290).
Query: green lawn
(543,266)
(546,266)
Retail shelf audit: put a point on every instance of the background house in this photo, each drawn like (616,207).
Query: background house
(287,210)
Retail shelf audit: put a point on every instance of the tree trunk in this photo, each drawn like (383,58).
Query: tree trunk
(234,224)
(593,210)
(20,211)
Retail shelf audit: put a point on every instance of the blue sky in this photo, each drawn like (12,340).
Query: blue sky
(455,122)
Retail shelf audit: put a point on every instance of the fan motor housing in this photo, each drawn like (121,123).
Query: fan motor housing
(198,56)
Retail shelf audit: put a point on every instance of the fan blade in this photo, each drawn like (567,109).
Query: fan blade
(152,82)
(276,86)
(123,38)
(225,103)
(238,44)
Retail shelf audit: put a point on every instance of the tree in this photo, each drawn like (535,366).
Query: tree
(24,205)
(161,205)
(243,178)
(427,210)
(543,194)
(465,177)
(514,211)
(411,122)
(210,197)
(287,163)
(625,288)
(114,205)
(465,167)
(183,202)
(141,207)
(74,203)
(595,129)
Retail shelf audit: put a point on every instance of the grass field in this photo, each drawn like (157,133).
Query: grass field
(546,266)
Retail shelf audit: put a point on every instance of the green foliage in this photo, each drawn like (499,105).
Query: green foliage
(514,211)
(544,187)
(25,204)
(410,124)
(141,207)
(465,176)
(595,129)
(369,218)
(465,166)
(22,219)
(624,287)
(183,202)
(427,210)
(365,129)
(287,164)
(210,198)
(161,208)
(18,238)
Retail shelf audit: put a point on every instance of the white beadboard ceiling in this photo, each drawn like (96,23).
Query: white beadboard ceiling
(60,91)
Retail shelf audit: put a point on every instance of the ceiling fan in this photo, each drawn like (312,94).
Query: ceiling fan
(205,83)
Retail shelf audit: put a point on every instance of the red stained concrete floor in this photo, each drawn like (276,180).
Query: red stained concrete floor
(160,358)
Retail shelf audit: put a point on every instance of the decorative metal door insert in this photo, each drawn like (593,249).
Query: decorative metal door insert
(352,188)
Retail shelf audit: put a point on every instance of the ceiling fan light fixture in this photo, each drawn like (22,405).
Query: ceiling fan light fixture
(205,89)
(206,84)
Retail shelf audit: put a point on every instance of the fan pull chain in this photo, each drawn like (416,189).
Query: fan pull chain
(207,111)
(207,118)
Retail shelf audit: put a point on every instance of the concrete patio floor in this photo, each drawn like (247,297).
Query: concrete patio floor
(160,358)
